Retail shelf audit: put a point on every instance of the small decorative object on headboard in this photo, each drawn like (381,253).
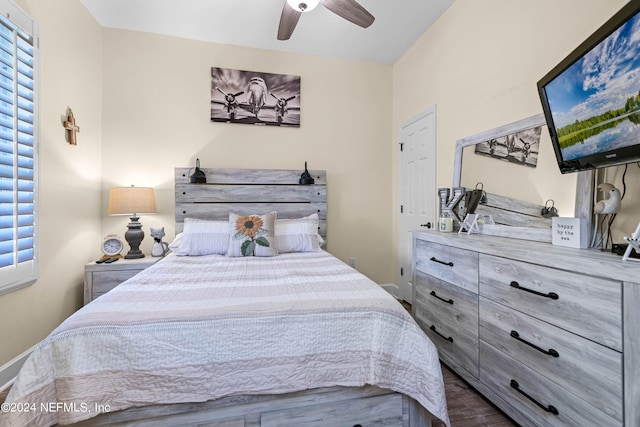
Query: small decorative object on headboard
(306,178)
(71,127)
(198,176)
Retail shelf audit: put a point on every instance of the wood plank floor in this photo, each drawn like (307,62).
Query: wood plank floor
(467,407)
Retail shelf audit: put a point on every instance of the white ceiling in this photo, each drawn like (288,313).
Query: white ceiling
(254,23)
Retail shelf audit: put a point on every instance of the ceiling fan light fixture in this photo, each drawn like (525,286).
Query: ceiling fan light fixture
(303,5)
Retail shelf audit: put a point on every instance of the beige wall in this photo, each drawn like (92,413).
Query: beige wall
(157,117)
(70,177)
(479,64)
(628,218)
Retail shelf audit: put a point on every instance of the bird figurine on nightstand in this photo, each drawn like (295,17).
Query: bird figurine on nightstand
(611,203)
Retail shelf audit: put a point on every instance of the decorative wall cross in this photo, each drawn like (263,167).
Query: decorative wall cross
(71,127)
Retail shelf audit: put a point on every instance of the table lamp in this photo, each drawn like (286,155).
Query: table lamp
(132,201)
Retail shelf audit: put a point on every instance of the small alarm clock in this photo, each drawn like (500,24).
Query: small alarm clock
(112,245)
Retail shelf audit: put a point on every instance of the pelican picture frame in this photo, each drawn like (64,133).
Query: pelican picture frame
(256,98)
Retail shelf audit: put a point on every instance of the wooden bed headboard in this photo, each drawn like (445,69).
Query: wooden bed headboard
(250,191)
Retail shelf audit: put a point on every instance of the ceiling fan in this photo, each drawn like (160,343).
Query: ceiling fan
(347,9)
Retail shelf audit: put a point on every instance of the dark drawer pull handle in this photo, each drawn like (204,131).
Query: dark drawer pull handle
(433,328)
(448,301)
(551,295)
(434,259)
(551,409)
(550,352)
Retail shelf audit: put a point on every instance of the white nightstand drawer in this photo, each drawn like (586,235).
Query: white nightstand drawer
(587,369)
(588,306)
(101,278)
(104,281)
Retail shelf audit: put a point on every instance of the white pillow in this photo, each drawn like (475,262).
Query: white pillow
(203,237)
(298,234)
(175,245)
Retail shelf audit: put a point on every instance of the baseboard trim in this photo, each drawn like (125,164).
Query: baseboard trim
(9,371)
(393,289)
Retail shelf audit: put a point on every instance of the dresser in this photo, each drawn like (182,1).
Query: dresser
(550,335)
(101,278)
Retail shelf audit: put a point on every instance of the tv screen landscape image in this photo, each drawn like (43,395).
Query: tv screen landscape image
(591,100)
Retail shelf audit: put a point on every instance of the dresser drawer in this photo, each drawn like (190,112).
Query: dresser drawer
(588,306)
(497,371)
(453,265)
(449,316)
(379,410)
(587,369)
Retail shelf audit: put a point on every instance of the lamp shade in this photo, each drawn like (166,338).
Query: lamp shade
(131,200)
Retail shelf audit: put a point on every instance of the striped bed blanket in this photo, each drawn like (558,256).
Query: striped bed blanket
(193,329)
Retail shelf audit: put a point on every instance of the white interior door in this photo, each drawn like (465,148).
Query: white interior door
(417,189)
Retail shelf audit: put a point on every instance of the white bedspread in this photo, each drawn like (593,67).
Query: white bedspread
(192,329)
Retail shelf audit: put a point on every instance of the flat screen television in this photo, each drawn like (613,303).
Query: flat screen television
(591,100)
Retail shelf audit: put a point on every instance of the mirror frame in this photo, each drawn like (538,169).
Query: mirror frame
(585,180)
(508,129)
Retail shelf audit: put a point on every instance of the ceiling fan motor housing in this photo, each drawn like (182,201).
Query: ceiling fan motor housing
(303,6)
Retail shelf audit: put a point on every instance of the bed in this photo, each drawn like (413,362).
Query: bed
(298,338)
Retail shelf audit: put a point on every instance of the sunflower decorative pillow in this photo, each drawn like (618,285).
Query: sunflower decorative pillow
(252,235)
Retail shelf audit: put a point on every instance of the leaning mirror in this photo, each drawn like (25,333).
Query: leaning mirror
(513,198)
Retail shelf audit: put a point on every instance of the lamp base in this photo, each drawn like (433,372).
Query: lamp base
(134,237)
(134,255)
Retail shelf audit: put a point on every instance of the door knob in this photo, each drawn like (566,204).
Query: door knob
(428,225)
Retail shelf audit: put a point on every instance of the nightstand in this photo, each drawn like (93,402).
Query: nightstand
(101,278)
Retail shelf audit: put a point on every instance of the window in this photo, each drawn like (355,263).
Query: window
(18,148)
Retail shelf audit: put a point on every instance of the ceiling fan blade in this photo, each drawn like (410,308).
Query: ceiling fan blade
(288,21)
(350,10)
